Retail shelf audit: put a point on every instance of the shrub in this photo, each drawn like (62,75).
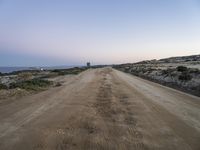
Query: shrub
(2,86)
(126,69)
(34,84)
(181,68)
(164,72)
(194,70)
(68,71)
(58,84)
(25,76)
(185,77)
(167,71)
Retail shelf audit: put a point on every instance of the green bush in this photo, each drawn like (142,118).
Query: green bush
(25,76)
(68,71)
(185,77)
(168,71)
(194,70)
(181,68)
(2,86)
(34,84)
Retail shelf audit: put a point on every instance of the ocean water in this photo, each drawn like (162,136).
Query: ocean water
(11,69)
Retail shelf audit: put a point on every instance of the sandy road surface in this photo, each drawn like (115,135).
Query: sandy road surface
(102,109)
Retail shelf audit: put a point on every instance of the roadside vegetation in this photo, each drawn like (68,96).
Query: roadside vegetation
(33,84)
(61,72)
(3,86)
(168,72)
(73,71)
(21,83)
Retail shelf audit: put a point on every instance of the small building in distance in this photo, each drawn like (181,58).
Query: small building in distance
(88,64)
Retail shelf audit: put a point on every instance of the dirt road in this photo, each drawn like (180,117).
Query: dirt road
(102,109)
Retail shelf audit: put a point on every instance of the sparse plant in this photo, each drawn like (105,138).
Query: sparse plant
(181,68)
(75,70)
(3,86)
(58,84)
(185,77)
(34,84)
(194,70)
(25,76)
(167,71)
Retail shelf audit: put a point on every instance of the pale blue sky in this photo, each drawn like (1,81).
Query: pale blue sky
(72,32)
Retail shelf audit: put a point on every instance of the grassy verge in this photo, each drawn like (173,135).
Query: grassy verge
(37,80)
(74,71)
(34,84)
(62,72)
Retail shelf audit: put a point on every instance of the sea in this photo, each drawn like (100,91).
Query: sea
(11,69)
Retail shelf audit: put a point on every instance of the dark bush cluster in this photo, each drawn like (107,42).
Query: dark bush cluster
(181,68)
(185,73)
(126,69)
(168,71)
(2,86)
(185,77)
(194,70)
(75,70)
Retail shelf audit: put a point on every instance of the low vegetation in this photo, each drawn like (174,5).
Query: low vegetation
(3,86)
(182,69)
(33,72)
(185,77)
(20,83)
(25,76)
(34,84)
(35,79)
(173,72)
(58,84)
(74,71)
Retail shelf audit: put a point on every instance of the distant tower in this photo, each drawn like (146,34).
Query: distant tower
(88,64)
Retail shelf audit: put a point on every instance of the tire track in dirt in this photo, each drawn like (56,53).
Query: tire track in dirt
(100,110)
(82,129)
(167,131)
(112,105)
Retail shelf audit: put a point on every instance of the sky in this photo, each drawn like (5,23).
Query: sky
(72,32)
